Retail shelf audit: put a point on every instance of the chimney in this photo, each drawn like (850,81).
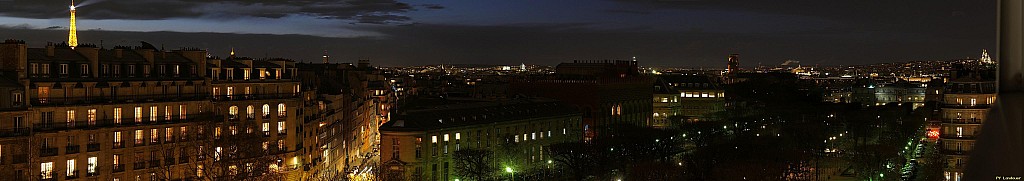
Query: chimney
(49,49)
(14,56)
(147,54)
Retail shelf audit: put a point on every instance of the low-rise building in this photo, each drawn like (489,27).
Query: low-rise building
(420,143)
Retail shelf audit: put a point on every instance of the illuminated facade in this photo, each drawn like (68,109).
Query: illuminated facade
(966,103)
(869,93)
(699,96)
(138,113)
(344,109)
(419,144)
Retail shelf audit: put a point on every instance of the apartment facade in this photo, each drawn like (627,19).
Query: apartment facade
(139,113)
(966,102)
(419,144)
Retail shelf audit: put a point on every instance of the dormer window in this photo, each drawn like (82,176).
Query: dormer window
(16,98)
(131,71)
(33,69)
(63,69)
(85,70)
(245,74)
(163,69)
(231,74)
(45,70)
(177,71)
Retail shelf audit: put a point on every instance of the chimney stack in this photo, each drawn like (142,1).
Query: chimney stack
(49,49)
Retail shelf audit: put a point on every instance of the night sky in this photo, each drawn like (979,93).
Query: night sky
(682,33)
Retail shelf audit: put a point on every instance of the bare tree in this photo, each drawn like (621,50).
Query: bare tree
(474,164)
(239,152)
(17,159)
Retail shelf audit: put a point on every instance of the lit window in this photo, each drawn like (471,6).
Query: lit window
(280,127)
(168,113)
(281,110)
(216,153)
(154,135)
(250,112)
(266,110)
(233,111)
(71,168)
(168,134)
(139,136)
(152,113)
(91,165)
(71,118)
(46,170)
(216,132)
(117,139)
(91,116)
(182,111)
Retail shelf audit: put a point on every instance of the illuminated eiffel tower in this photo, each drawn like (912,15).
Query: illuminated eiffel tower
(73,33)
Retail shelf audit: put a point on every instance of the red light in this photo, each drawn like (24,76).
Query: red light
(933,134)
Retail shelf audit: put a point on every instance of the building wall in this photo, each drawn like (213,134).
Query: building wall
(89,115)
(963,114)
(520,144)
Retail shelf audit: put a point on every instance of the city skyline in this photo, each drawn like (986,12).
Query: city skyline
(662,33)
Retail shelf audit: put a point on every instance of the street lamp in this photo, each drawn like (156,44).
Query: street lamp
(509,170)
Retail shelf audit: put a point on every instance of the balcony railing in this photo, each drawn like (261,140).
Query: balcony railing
(47,152)
(118,168)
(183,159)
(961,137)
(255,96)
(118,145)
(963,121)
(139,165)
(168,160)
(955,152)
(72,149)
(967,106)
(12,132)
(72,175)
(91,147)
(104,123)
(56,101)
(154,163)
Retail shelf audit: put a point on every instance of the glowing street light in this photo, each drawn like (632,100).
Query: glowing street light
(509,170)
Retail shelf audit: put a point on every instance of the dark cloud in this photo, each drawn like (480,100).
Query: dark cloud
(364,11)
(16,26)
(628,11)
(433,6)
(936,18)
(420,44)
